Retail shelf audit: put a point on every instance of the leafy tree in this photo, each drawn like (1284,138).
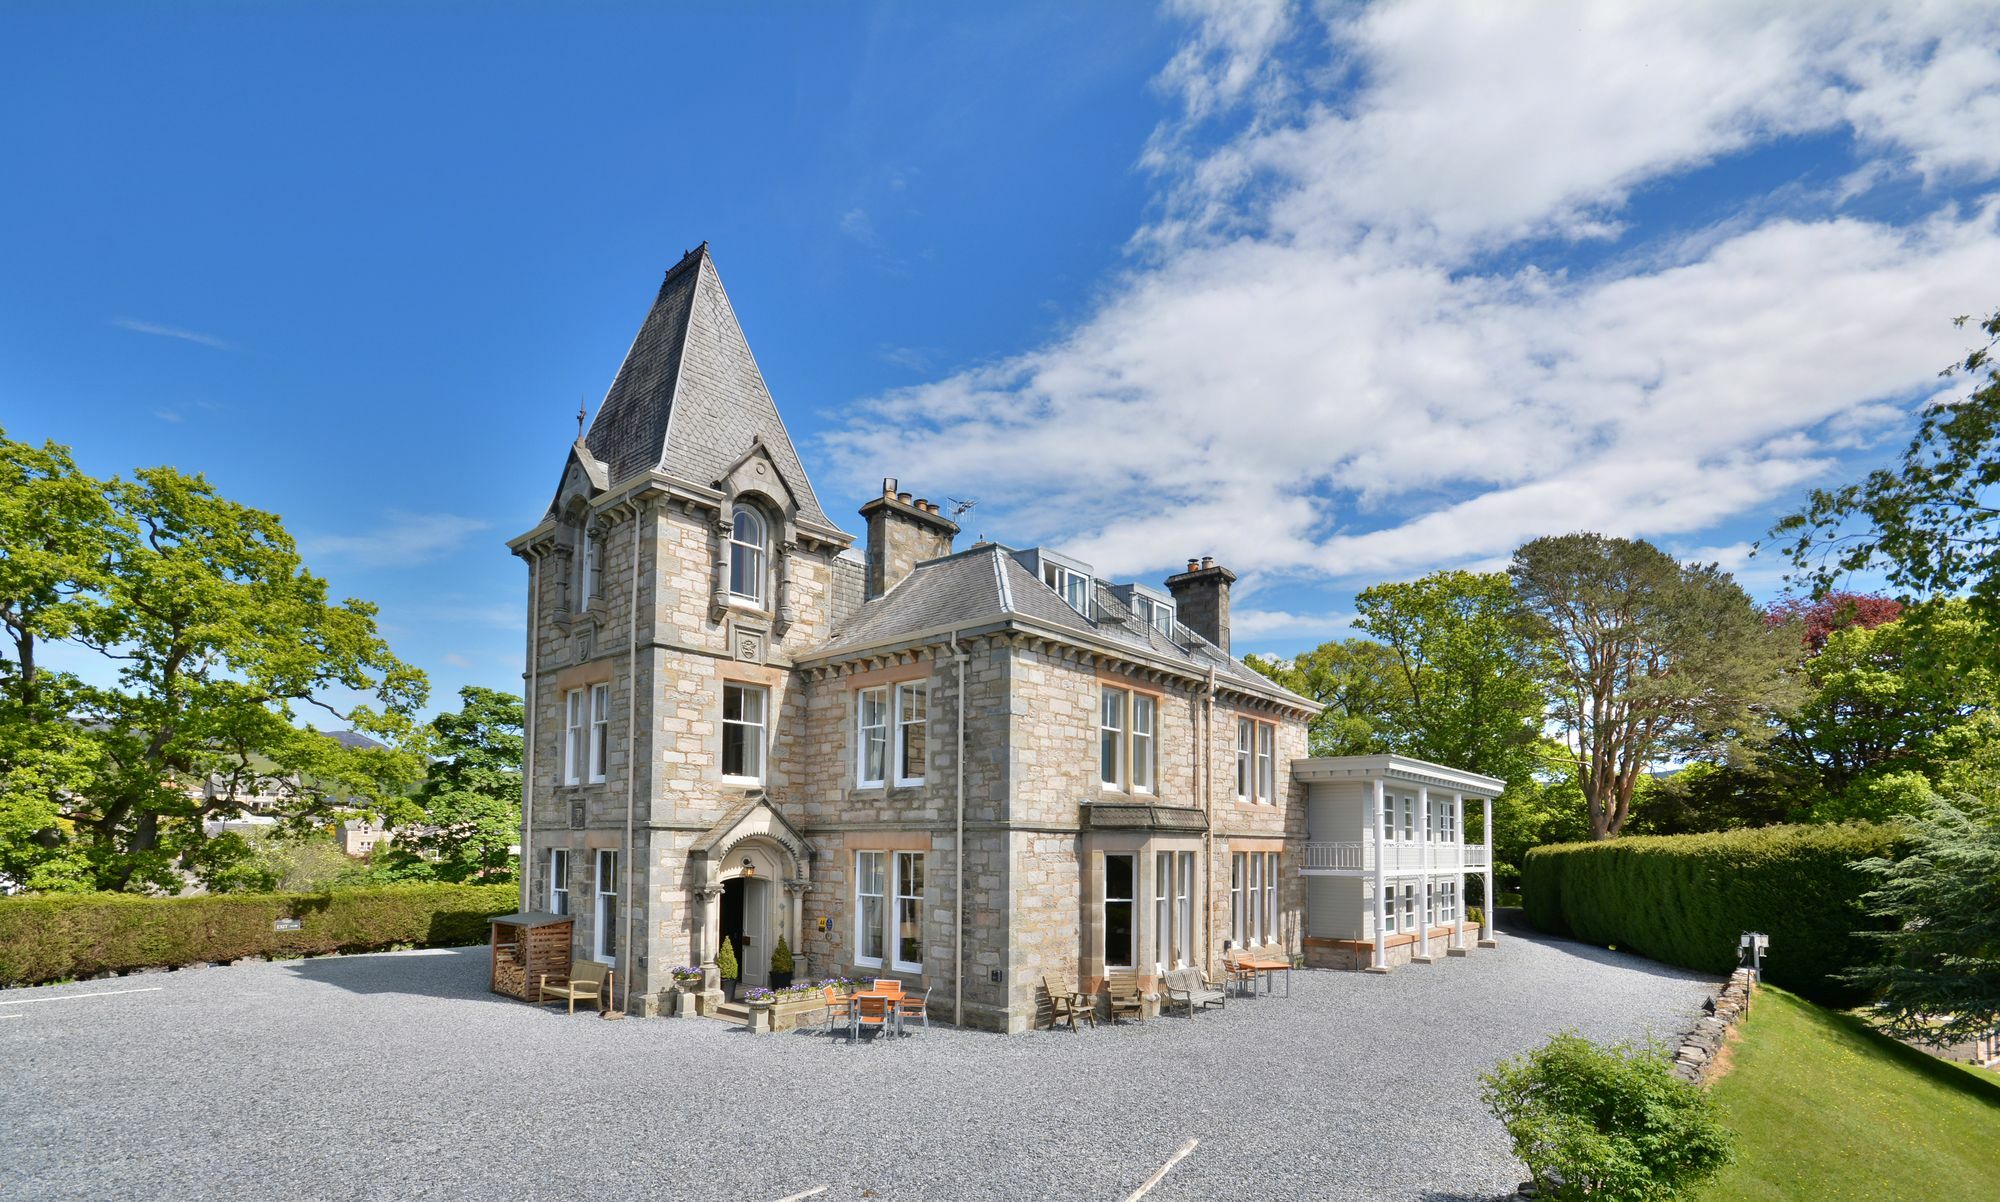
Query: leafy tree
(1606,1124)
(1651,659)
(468,811)
(1739,792)
(1939,981)
(1888,705)
(219,638)
(1470,664)
(1931,523)
(1817,618)
(1530,812)
(277,861)
(1358,681)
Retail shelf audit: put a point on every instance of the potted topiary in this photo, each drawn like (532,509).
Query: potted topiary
(781,965)
(725,967)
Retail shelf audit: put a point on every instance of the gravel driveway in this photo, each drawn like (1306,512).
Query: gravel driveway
(398,1076)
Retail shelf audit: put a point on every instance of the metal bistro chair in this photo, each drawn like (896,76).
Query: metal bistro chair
(913,1005)
(839,1008)
(869,1012)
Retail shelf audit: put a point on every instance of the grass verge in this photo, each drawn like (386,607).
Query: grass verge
(1825,1109)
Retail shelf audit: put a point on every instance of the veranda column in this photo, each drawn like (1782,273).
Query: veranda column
(1457,832)
(1486,911)
(1381,886)
(1424,853)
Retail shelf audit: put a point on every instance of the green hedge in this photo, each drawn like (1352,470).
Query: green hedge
(54,937)
(1685,899)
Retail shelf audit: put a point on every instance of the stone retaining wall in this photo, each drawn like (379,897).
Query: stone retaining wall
(1695,1058)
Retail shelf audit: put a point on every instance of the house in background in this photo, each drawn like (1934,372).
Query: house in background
(965,768)
(361,836)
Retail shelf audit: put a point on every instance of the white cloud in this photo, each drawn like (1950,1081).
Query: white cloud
(1312,367)
(456,660)
(1248,625)
(156,329)
(403,540)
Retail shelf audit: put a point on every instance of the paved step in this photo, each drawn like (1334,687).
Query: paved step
(733,1012)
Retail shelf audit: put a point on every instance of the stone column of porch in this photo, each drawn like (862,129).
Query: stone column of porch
(710,897)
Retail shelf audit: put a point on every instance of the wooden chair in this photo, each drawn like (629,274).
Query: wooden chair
(1067,1005)
(1123,988)
(1236,976)
(886,985)
(839,1008)
(913,1005)
(868,1012)
(587,981)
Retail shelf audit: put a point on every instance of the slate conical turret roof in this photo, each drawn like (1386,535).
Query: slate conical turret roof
(689,400)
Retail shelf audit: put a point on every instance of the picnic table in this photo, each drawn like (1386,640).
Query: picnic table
(1267,969)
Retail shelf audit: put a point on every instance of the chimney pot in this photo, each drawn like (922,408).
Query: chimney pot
(1207,561)
(888,486)
(923,505)
(903,497)
(1193,564)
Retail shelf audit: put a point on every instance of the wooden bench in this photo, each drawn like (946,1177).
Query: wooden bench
(588,981)
(1188,987)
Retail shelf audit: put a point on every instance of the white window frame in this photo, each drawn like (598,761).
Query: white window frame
(559,880)
(862,896)
(1270,897)
(1253,929)
(1267,763)
(1409,818)
(588,573)
(920,691)
(756,550)
(1184,909)
(913,902)
(1072,586)
(1112,703)
(1144,766)
(1389,826)
(1163,882)
(573,736)
(1105,902)
(1239,869)
(600,731)
(1160,616)
(1246,736)
(871,735)
(605,916)
(1410,906)
(1389,926)
(757,738)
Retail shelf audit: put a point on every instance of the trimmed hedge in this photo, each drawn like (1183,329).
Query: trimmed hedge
(58,936)
(1686,899)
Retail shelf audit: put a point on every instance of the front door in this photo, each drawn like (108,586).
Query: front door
(745,922)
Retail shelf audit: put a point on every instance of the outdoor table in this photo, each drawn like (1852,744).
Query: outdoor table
(894,1001)
(1267,969)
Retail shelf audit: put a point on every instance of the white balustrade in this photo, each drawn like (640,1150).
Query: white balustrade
(1398,856)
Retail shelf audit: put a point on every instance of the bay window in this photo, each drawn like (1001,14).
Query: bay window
(1270,897)
(743,731)
(869,920)
(600,730)
(574,748)
(747,543)
(1237,918)
(872,742)
(909,882)
(1119,877)
(912,715)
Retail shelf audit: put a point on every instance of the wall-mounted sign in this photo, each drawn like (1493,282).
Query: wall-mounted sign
(285,924)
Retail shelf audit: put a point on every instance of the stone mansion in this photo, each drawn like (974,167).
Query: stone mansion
(967,767)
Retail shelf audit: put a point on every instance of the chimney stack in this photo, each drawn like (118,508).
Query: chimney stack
(903,531)
(1201,599)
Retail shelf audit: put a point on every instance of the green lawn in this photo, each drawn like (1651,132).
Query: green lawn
(1825,1109)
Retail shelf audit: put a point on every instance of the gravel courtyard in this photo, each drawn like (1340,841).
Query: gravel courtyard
(398,1076)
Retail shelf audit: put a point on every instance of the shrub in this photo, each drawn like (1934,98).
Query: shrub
(54,937)
(1686,899)
(781,956)
(725,960)
(1606,1124)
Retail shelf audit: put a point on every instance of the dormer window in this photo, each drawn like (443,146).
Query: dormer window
(1157,614)
(748,540)
(1073,587)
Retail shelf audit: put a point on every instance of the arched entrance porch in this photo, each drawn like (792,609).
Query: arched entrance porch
(748,874)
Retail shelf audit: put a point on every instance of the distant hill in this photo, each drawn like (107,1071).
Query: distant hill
(352,739)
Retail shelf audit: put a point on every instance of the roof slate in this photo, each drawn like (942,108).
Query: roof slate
(987,584)
(689,399)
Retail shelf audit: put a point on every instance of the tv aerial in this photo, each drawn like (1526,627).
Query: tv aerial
(959,507)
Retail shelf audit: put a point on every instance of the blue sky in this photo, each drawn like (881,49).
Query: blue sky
(1337,295)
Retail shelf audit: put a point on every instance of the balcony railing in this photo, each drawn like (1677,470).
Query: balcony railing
(1397,856)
